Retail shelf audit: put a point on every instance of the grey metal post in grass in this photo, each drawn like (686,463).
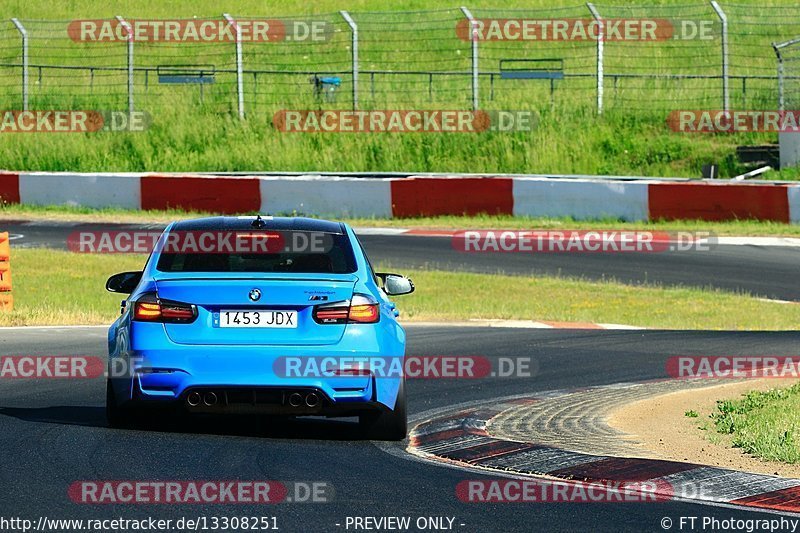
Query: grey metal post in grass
(24,33)
(600,54)
(130,61)
(725,67)
(354,32)
(474,39)
(239,64)
(778,47)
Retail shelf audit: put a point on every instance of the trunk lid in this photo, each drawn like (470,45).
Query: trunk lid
(213,294)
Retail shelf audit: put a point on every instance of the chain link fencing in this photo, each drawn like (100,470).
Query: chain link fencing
(704,55)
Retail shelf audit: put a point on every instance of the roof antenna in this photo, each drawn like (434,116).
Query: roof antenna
(259,222)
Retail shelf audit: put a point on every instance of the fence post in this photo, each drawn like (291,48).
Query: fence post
(474,39)
(354,31)
(130,61)
(24,33)
(725,88)
(239,74)
(600,54)
(6,298)
(777,49)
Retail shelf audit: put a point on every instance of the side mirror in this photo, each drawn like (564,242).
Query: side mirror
(395,284)
(125,282)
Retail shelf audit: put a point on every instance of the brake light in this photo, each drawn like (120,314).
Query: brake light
(331,315)
(150,308)
(147,311)
(365,313)
(362,309)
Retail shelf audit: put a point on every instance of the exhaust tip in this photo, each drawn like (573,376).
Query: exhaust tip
(295,399)
(193,399)
(210,399)
(312,400)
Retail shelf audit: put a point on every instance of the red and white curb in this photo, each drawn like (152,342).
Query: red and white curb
(579,197)
(461,439)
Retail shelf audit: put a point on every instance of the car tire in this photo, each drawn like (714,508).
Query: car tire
(117,417)
(388,424)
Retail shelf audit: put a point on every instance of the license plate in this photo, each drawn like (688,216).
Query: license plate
(233,318)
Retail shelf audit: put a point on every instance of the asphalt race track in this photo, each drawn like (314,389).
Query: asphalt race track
(769,272)
(53,432)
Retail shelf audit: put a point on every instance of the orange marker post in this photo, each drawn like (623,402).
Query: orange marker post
(6,299)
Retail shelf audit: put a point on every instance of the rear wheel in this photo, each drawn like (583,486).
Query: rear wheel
(117,416)
(388,424)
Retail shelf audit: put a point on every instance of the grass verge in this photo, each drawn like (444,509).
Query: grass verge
(763,424)
(59,288)
(112,215)
(194,142)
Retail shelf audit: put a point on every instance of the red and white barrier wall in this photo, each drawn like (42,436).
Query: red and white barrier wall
(632,200)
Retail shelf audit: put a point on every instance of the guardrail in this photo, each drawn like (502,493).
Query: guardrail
(415,196)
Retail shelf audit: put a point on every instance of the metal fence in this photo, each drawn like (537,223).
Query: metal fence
(788,56)
(413,59)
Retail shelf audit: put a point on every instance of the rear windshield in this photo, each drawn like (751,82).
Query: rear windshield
(335,257)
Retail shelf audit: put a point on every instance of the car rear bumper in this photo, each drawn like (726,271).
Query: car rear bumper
(246,380)
(148,368)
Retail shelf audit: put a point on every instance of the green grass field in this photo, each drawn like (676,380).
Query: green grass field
(71,291)
(190,134)
(763,424)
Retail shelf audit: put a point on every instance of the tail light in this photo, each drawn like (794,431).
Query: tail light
(362,309)
(150,308)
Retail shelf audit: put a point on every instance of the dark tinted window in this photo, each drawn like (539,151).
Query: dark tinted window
(335,257)
(375,278)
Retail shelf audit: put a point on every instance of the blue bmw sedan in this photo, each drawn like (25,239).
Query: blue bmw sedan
(259,315)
